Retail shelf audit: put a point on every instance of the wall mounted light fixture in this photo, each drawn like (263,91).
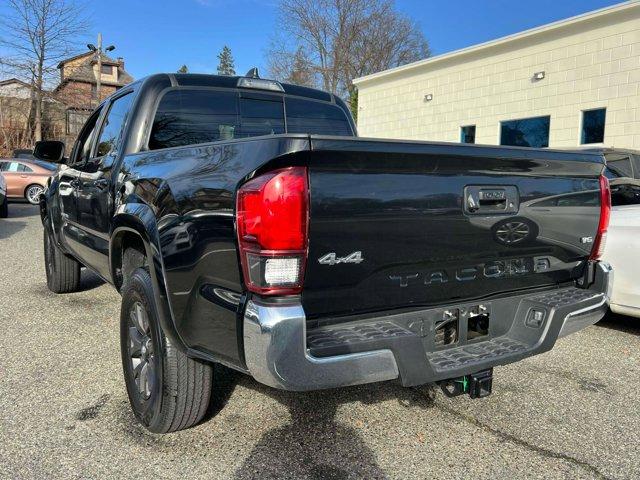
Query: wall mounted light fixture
(539,75)
(428,97)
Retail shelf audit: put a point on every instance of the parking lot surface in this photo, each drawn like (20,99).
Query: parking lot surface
(571,413)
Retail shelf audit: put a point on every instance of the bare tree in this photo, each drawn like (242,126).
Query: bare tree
(343,39)
(38,34)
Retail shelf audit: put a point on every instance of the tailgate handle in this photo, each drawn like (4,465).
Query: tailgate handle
(489,199)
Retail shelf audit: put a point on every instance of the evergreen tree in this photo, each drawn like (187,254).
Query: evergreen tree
(225,64)
(183,69)
(353,102)
(301,72)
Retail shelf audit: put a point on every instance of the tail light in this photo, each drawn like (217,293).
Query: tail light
(272,214)
(605,213)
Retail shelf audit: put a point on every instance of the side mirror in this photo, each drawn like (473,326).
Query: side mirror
(49,151)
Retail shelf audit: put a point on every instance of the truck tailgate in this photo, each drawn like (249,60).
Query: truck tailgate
(403,224)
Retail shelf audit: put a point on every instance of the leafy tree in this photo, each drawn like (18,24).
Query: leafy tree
(183,69)
(225,62)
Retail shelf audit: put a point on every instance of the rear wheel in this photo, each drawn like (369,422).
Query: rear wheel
(63,272)
(167,390)
(32,193)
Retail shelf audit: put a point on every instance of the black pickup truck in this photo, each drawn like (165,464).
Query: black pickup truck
(244,223)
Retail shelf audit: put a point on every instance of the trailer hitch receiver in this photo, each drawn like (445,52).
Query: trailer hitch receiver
(476,385)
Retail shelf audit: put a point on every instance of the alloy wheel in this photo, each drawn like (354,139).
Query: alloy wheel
(141,351)
(33,194)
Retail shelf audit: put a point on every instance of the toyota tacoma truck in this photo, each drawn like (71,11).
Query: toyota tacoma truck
(244,223)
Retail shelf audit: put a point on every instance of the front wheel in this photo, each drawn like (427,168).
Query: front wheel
(32,194)
(63,272)
(167,390)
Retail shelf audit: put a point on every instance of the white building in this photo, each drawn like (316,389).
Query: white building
(14,88)
(568,83)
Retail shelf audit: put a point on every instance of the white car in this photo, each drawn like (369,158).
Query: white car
(4,203)
(623,238)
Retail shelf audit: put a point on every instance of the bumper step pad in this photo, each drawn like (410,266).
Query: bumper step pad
(564,297)
(343,336)
(458,357)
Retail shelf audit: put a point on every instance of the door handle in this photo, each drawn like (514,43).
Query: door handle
(23,176)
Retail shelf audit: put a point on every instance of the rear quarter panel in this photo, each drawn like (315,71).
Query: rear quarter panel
(191,191)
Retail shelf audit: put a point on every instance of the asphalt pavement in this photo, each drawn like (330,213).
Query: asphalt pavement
(571,413)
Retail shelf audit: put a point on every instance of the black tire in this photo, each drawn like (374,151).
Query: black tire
(174,392)
(63,272)
(4,208)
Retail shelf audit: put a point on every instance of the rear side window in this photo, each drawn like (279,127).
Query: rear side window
(16,167)
(190,116)
(186,117)
(316,118)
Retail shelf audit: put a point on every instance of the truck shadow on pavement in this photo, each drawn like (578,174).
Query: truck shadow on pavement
(10,226)
(7,229)
(315,444)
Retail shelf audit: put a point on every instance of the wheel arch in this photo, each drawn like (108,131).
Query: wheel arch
(135,225)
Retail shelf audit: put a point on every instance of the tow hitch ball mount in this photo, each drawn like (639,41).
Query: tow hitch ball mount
(476,385)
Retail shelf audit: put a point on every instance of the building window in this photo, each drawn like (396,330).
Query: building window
(106,69)
(526,132)
(468,134)
(593,126)
(75,120)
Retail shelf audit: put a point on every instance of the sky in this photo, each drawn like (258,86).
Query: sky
(160,36)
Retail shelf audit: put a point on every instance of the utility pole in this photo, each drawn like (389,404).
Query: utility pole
(98,53)
(99,79)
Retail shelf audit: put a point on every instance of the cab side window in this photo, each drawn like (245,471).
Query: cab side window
(85,140)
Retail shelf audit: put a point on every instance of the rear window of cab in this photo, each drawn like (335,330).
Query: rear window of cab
(192,116)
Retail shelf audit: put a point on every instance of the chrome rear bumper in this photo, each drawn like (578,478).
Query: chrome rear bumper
(277,351)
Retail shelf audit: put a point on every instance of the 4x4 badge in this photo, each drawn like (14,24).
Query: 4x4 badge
(332,259)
